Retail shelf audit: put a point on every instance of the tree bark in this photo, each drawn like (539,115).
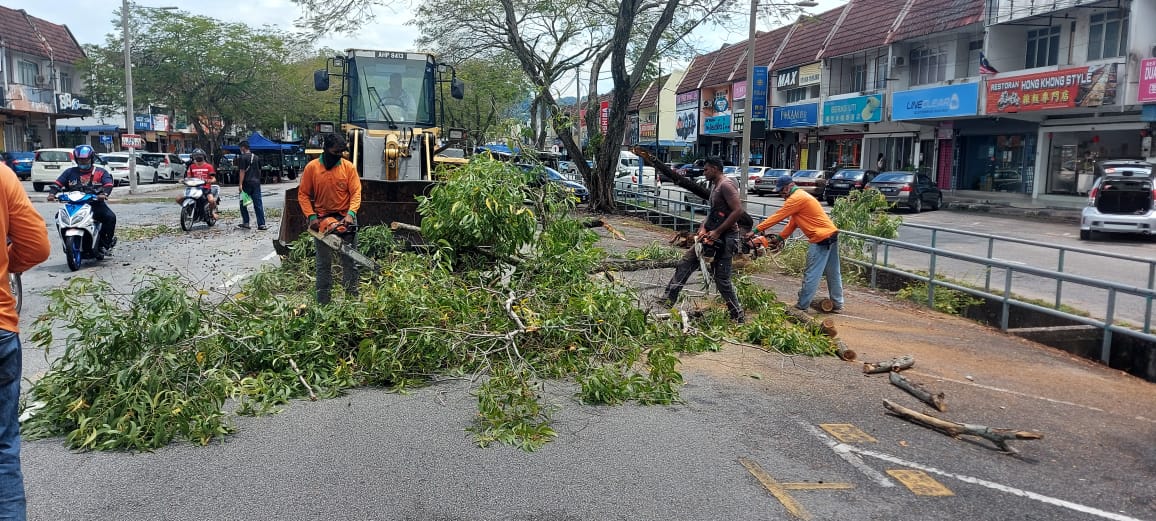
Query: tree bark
(1000,437)
(894,364)
(916,390)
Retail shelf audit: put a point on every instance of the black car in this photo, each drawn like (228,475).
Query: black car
(844,181)
(914,191)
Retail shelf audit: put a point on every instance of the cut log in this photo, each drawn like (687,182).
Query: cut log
(1000,437)
(823,325)
(916,390)
(844,352)
(825,305)
(613,231)
(396,226)
(894,364)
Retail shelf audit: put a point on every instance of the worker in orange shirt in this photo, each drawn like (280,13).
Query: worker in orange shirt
(27,247)
(805,213)
(331,188)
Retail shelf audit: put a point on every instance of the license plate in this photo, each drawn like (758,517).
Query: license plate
(840,185)
(887,190)
(52,167)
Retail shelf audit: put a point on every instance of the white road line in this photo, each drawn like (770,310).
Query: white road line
(842,450)
(236,278)
(994,486)
(269,257)
(1008,391)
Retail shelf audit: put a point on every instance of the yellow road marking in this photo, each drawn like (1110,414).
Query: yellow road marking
(817,486)
(776,489)
(920,483)
(847,433)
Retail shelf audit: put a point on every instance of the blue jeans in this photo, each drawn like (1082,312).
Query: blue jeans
(254,191)
(822,259)
(12,506)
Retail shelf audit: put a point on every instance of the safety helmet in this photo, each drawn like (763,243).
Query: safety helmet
(198,155)
(84,152)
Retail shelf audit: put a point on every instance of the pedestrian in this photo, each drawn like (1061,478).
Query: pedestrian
(805,213)
(718,232)
(27,246)
(879,163)
(330,188)
(249,182)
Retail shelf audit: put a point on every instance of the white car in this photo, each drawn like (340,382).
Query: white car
(118,167)
(168,167)
(48,164)
(1122,200)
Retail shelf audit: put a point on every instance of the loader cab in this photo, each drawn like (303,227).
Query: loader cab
(385,90)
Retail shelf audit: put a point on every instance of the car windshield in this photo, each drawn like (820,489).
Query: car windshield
(632,162)
(778,172)
(115,159)
(20,155)
(54,156)
(807,173)
(374,101)
(893,177)
(848,174)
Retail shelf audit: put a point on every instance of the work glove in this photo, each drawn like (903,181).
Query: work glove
(314,223)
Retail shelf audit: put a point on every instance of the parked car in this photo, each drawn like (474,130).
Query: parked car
(48,164)
(1121,199)
(765,184)
(117,164)
(553,176)
(844,181)
(813,182)
(755,173)
(908,189)
(20,163)
(168,167)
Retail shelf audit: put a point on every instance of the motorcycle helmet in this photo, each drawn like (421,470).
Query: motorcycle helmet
(84,156)
(198,155)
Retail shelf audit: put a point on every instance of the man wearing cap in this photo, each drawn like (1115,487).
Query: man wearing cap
(805,213)
(720,232)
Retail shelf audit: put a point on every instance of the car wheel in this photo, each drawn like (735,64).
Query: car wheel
(156,177)
(39,187)
(1085,235)
(938,202)
(917,205)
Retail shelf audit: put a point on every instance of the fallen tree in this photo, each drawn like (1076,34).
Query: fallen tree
(1000,437)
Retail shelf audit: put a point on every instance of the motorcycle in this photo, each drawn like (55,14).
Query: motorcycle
(78,230)
(195,204)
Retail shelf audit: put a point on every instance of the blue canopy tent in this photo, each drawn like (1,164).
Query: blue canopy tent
(259,143)
(278,160)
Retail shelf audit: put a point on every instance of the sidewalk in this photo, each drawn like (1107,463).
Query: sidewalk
(1065,209)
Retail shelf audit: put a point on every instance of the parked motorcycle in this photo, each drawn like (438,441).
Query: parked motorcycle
(78,230)
(195,204)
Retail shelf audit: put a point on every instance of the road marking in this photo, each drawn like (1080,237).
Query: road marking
(1008,391)
(843,451)
(992,485)
(919,483)
(236,278)
(817,486)
(847,433)
(269,257)
(793,507)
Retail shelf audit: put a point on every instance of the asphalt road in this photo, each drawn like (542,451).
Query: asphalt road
(755,439)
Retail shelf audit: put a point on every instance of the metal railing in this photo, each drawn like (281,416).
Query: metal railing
(658,205)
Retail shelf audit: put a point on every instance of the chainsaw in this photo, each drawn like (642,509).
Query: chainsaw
(328,233)
(759,244)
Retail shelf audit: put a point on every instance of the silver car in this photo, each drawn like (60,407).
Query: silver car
(1121,199)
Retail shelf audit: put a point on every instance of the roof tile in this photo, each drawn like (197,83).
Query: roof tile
(865,26)
(724,66)
(932,16)
(20,34)
(807,40)
(695,72)
(649,100)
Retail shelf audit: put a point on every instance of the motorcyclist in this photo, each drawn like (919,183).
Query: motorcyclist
(89,178)
(202,169)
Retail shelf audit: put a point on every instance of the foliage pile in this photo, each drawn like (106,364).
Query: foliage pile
(160,363)
(945,300)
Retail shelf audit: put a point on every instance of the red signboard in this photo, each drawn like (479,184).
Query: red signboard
(1090,86)
(1147,92)
(605,116)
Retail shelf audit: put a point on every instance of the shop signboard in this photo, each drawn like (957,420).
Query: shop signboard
(739,90)
(860,109)
(1147,92)
(633,128)
(143,122)
(810,74)
(604,116)
(716,110)
(759,95)
(161,122)
(787,78)
(66,103)
(1090,86)
(796,116)
(686,117)
(936,102)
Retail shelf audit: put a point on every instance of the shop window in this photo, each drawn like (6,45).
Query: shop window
(858,78)
(928,65)
(1108,35)
(800,94)
(65,82)
(29,72)
(880,72)
(1043,47)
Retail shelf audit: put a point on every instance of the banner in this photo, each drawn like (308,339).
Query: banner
(796,116)
(716,110)
(1090,86)
(759,94)
(936,102)
(604,116)
(849,111)
(686,118)
(810,74)
(1147,81)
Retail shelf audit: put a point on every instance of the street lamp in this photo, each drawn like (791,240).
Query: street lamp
(745,156)
(129,127)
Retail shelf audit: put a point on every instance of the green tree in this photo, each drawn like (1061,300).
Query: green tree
(494,87)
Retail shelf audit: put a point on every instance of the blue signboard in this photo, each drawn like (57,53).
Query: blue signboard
(862,109)
(717,125)
(937,102)
(144,122)
(796,116)
(106,139)
(1148,113)
(759,96)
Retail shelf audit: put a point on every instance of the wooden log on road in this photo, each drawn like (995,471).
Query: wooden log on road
(916,390)
(824,325)
(894,364)
(844,352)
(1000,437)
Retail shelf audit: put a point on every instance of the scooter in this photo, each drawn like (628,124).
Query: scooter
(195,204)
(78,230)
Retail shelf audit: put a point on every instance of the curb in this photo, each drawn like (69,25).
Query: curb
(1066,215)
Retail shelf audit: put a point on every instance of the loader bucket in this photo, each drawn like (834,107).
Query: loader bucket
(382,202)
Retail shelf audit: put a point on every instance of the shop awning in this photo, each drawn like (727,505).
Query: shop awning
(87,128)
(669,143)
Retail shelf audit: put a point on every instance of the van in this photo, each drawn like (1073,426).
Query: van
(628,164)
(48,164)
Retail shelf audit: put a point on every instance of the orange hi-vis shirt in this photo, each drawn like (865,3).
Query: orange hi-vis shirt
(322,192)
(805,213)
(27,242)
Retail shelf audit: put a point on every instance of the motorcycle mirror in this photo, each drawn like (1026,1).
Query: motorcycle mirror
(457,88)
(321,79)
